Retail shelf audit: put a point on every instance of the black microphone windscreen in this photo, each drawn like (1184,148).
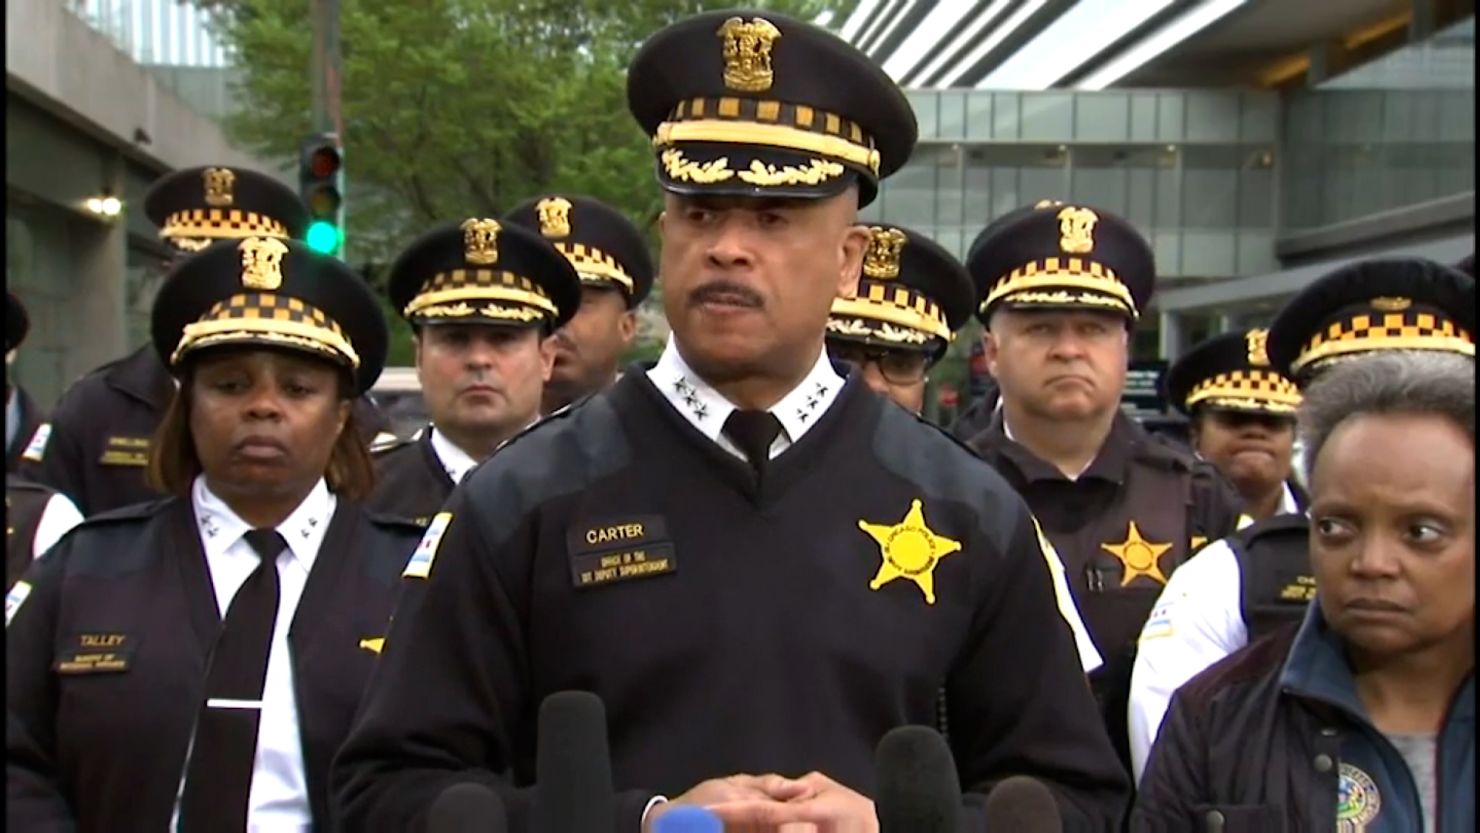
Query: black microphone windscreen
(467,808)
(573,769)
(1022,805)
(918,789)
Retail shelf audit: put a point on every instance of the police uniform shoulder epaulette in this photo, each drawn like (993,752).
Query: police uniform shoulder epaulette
(387,442)
(394,523)
(1170,453)
(127,514)
(22,485)
(1276,526)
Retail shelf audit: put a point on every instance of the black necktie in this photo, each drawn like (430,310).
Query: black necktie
(218,779)
(753,432)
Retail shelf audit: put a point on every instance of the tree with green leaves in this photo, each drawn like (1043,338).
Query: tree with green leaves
(453,108)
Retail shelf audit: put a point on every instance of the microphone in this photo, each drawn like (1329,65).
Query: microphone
(688,819)
(918,790)
(573,768)
(467,808)
(1023,805)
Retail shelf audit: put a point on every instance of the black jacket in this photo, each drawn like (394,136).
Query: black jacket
(729,625)
(410,481)
(1272,738)
(104,749)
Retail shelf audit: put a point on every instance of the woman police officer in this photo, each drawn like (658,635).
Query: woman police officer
(196,661)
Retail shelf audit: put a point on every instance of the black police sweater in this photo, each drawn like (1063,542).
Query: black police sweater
(728,628)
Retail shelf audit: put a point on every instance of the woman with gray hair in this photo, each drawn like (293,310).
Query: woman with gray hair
(1363,717)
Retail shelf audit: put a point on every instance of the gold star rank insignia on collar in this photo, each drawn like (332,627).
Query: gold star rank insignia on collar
(910,550)
(1140,556)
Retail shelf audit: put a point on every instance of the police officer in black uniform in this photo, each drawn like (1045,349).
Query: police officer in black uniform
(482,298)
(616,272)
(194,662)
(911,300)
(759,566)
(95,447)
(1259,578)
(1242,418)
(22,416)
(35,516)
(1061,287)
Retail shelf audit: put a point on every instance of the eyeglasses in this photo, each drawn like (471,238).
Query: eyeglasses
(898,367)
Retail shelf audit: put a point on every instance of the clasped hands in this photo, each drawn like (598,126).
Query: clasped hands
(813,803)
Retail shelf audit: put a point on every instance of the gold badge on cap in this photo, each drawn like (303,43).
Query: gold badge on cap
(262,262)
(480,241)
(1391,304)
(219,183)
(1258,355)
(1077,229)
(748,53)
(554,216)
(884,248)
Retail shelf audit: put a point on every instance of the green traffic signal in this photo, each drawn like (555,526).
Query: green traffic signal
(323,237)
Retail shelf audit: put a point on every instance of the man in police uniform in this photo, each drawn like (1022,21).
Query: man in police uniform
(482,297)
(35,517)
(758,566)
(911,300)
(1242,414)
(1061,286)
(96,445)
(1258,579)
(616,275)
(22,417)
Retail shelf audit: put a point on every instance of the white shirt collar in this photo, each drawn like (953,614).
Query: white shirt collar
(456,462)
(1288,504)
(304,529)
(707,409)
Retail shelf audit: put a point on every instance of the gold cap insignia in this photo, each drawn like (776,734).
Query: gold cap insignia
(219,183)
(1257,339)
(1391,304)
(1076,230)
(262,262)
(480,241)
(910,550)
(747,53)
(554,216)
(884,248)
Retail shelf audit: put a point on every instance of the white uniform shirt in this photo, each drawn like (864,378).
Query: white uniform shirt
(454,460)
(1197,620)
(57,519)
(707,409)
(278,801)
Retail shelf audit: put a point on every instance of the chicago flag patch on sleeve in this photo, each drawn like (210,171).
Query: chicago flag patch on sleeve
(15,598)
(420,565)
(36,448)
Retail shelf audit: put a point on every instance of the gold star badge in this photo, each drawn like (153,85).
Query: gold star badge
(1140,557)
(910,550)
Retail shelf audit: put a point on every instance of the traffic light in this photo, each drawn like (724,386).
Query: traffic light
(321,184)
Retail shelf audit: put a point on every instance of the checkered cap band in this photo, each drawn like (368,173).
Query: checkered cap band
(1407,330)
(596,266)
(726,119)
(1063,281)
(220,223)
(270,317)
(481,293)
(892,304)
(1249,390)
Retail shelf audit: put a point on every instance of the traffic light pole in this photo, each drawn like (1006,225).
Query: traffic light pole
(324,68)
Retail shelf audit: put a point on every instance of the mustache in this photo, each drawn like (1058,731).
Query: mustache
(729,291)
